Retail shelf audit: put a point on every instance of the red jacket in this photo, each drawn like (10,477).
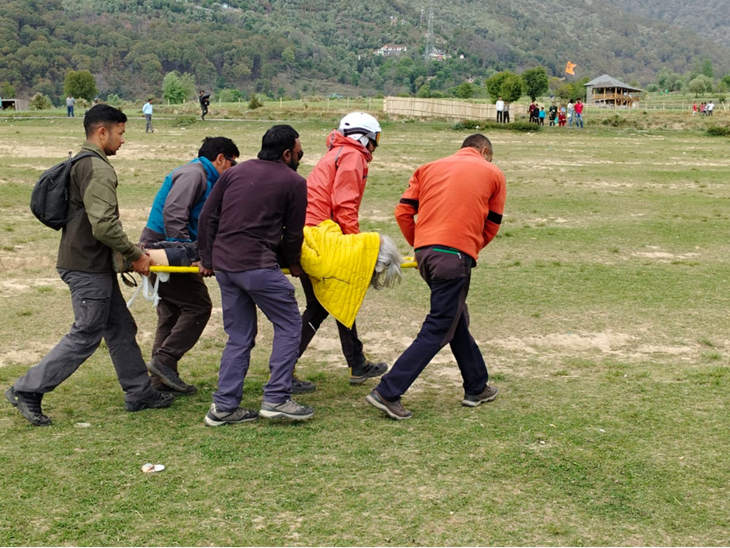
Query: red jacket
(337,183)
(459,201)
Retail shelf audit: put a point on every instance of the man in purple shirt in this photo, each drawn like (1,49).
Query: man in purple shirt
(255,209)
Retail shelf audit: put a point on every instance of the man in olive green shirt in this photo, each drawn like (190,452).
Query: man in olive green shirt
(85,264)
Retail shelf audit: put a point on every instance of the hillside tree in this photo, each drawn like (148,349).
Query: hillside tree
(512,88)
(177,88)
(7,90)
(536,82)
(80,83)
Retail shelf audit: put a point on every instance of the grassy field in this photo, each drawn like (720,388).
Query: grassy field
(600,308)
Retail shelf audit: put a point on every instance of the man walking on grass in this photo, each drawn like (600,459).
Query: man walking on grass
(459,201)
(147,111)
(184,308)
(256,208)
(85,264)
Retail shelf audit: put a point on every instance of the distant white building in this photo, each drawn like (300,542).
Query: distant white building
(391,50)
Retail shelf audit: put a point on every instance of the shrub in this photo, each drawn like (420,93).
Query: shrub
(489,125)
(40,102)
(184,121)
(613,121)
(114,100)
(254,103)
(718,131)
(230,95)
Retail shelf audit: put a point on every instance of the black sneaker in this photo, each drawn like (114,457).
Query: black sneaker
(11,396)
(29,405)
(487,395)
(169,376)
(158,401)
(394,409)
(300,386)
(216,417)
(367,370)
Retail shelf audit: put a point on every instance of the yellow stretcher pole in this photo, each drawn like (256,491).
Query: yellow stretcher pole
(408,262)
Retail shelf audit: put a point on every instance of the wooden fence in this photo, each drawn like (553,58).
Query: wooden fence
(442,108)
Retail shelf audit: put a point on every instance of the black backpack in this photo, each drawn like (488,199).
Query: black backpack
(49,199)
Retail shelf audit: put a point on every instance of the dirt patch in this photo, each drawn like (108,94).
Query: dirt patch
(27,357)
(575,342)
(20,285)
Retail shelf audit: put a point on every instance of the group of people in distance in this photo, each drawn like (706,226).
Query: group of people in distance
(557,115)
(703,109)
(148,108)
(238,221)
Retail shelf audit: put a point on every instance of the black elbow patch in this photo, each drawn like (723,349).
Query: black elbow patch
(495,218)
(408,201)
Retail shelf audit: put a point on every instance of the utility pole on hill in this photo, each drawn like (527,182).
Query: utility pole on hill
(429,35)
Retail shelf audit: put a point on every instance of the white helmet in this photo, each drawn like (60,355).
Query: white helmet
(362,127)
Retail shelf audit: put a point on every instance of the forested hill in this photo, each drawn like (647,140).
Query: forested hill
(708,18)
(324,46)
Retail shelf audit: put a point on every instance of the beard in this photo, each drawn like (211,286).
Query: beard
(293,163)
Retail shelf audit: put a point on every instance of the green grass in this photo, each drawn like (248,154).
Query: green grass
(600,309)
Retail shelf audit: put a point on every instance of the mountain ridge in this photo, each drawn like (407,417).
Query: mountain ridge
(314,46)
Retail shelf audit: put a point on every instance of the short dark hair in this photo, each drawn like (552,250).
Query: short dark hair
(213,146)
(276,141)
(102,115)
(477,141)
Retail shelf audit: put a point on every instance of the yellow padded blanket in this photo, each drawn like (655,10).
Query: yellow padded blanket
(340,267)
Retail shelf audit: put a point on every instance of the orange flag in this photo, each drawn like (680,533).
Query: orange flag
(569,68)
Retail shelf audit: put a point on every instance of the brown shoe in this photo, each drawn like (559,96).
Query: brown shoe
(169,376)
(394,409)
(488,394)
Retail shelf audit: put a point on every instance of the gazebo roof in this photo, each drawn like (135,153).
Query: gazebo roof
(606,81)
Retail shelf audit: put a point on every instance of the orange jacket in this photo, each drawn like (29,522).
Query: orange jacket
(337,183)
(459,201)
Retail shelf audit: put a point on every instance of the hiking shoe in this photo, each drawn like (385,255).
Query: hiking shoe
(160,387)
(11,396)
(158,401)
(367,370)
(487,395)
(169,376)
(29,405)
(299,386)
(394,409)
(218,417)
(286,410)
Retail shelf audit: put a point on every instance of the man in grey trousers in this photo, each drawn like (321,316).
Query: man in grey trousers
(254,209)
(85,264)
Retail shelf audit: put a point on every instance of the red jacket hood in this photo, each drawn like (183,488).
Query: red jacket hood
(336,139)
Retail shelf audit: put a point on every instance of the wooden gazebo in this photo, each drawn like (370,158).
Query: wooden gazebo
(607,91)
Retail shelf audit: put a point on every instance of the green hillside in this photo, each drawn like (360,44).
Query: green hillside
(708,18)
(292,47)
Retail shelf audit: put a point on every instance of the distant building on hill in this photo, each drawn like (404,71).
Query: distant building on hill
(607,91)
(391,50)
(438,55)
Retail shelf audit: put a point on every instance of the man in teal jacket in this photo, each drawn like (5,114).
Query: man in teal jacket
(185,305)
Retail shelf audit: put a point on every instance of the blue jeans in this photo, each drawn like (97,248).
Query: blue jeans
(579,120)
(241,293)
(69,112)
(448,274)
(99,312)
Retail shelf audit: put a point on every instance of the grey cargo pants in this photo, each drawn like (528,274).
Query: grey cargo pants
(99,312)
